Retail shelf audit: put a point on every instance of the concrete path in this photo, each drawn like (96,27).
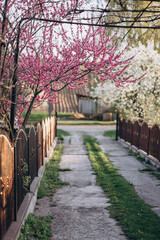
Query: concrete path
(146,185)
(79,212)
(78,209)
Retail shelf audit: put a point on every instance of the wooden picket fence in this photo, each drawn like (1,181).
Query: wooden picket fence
(19,165)
(141,136)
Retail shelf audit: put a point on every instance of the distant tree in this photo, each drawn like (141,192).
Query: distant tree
(139,100)
(138,20)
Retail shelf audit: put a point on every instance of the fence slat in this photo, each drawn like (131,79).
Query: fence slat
(154,145)
(6,184)
(129,128)
(33,163)
(120,129)
(144,136)
(39,145)
(49,133)
(54,127)
(44,139)
(136,134)
(21,162)
(124,129)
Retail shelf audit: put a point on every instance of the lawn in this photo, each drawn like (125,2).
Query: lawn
(84,122)
(39,116)
(111,134)
(66,119)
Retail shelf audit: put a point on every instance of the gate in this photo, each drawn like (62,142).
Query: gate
(6,184)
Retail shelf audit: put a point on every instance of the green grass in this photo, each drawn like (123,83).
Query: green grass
(39,116)
(111,134)
(36,227)
(36,117)
(157,175)
(61,134)
(50,180)
(84,122)
(136,218)
(65,115)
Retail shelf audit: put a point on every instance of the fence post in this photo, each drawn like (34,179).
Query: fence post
(139,135)
(148,141)
(125,135)
(132,135)
(37,154)
(56,124)
(42,145)
(117,125)
(15,184)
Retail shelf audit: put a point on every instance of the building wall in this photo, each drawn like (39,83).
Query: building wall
(86,106)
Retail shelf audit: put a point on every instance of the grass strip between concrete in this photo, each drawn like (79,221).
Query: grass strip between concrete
(136,218)
(36,227)
(50,180)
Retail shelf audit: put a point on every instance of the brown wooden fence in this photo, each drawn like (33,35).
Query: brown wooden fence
(19,165)
(141,136)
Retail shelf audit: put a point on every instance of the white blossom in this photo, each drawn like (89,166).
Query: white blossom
(139,100)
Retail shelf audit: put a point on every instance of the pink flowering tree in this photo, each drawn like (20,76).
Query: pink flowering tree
(39,56)
(47,69)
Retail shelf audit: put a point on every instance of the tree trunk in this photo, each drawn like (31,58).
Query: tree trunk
(14,81)
(28,111)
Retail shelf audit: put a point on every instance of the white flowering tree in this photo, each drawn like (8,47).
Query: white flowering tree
(139,100)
